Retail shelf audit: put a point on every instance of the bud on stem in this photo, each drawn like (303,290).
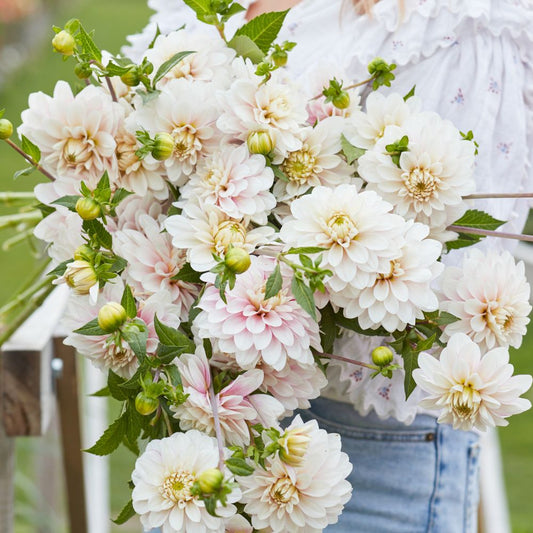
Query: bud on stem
(6,129)
(111,316)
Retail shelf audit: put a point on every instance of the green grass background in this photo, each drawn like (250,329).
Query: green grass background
(113,20)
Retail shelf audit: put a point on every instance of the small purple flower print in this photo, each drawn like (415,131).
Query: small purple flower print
(504,148)
(357,375)
(459,97)
(494,86)
(384,392)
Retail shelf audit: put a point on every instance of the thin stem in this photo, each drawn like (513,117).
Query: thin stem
(30,159)
(296,266)
(353,86)
(490,233)
(24,295)
(8,221)
(218,430)
(111,89)
(346,360)
(167,422)
(16,239)
(481,195)
(13,199)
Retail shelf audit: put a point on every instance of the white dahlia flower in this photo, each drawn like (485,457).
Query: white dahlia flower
(152,263)
(132,209)
(207,230)
(490,296)
(433,175)
(304,498)
(176,111)
(163,477)
(316,163)
(470,390)
(236,404)
(210,60)
(401,293)
(235,181)
(76,134)
(253,328)
(238,524)
(357,230)
(365,128)
(276,107)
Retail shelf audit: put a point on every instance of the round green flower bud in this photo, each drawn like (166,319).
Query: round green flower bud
(64,43)
(132,77)
(148,68)
(210,480)
(342,100)
(80,276)
(260,142)
(237,260)
(83,71)
(111,316)
(382,356)
(163,146)
(6,129)
(376,64)
(145,404)
(88,209)
(280,58)
(84,253)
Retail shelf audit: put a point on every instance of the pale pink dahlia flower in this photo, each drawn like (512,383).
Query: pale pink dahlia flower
(235,181)
(470,390)
(300,499)
(236,404)
(163,477)
(255,329)
(76,134)
(490,296)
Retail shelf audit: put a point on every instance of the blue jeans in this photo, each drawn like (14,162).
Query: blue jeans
(421,478)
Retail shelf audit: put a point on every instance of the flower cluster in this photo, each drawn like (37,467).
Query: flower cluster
(220,229)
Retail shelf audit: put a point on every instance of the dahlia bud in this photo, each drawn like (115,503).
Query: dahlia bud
(382,356)
(132,77)
(83,71)
(279,57)
(342,100)
(144,404)
(163,146)
(376,64)
(84,253)
(237,260)
(210,480)
(64,43)
(294,444)
(111,316)
(6,129)
(260,142)
(88,209)
(80,276)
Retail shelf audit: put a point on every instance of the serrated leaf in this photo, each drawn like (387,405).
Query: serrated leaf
(187,274)
(446,318)
(328,328)
(133,447)
(118,264)
(171,336)
(67,201)
(59,270)
(426,344)
(246,48)
(127,512)
(128,302)
(117,391)
(119,195)
(111,438)
(305,250)
(135,423)
(274,283)
(88,45)
(23,172)
(102,393)
(264,29)
(136,338)
(95,229)
(200,7)
(410,363)
(463,240)
(351,152)
(169,65)
(304,296)
(239,466)
(91,329)
(167,354)
(474,218)
(31,149)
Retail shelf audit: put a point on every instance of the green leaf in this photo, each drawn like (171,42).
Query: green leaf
(24,172)
(167,354)
(88,45)
(118,264)
(135,423)
(96,230)
(67,201)
(239,466)
(328,328)
(305,250)
(128,302)
(264,29)
(463,240)
(119,195)
(117,391)
(304,296)
(410,94)
(446,318)
(351,152)
(200,7)
(410,363)
(111,438)
(59,270)
(127,512)
(187,274)
(91,329)
(274,283)
(31,149)
(474,218)
(171,336)
(279,173)
(136,337)
(102,393)
(426,344)
(169,65)
(246,48)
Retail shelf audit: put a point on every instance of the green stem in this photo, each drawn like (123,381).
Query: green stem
(25,295)
(295,266)
(353,86)
(30,160)
(16,239)
(9,221)
(13,199)
(167,421)
(218,430)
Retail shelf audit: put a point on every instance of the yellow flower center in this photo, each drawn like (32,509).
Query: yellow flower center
(465,401)
(341,228)
(420,183)
(300,165)
(499,319)
(76,151)
(226,233)
(283,492)
(395,271)
(177,487)
(217,179)
(185,143)
(125,151)
(263,306)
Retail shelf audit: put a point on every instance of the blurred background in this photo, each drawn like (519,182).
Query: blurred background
(27,64)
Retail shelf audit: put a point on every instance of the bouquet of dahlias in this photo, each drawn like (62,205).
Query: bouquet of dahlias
(220,227)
